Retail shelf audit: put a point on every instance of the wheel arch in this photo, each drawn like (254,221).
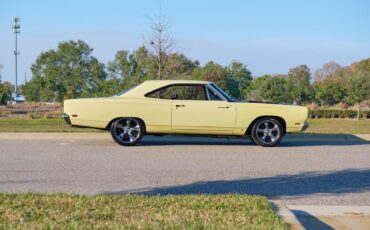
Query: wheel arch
(113,120)
(280,119)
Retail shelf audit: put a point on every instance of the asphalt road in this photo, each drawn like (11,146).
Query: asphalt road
(304,169)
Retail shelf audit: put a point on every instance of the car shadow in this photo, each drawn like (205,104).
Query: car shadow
(275,187)
(290,140)
(310,222)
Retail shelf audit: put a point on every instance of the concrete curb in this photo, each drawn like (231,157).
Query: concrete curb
(327,137)
(284,212)
(332,216)
(333,210)
(365,137)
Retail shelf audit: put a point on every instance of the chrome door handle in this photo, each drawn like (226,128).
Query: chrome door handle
(223,107)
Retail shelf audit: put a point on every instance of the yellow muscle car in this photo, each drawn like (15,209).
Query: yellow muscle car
(184,107)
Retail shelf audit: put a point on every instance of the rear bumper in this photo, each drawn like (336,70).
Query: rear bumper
(305,126)
(66,119)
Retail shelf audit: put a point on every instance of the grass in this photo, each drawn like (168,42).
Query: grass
(347,126)
(62,211)
(39,125)
(58,125)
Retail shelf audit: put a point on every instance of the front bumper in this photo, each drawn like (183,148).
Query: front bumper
(66,119)
(305,126)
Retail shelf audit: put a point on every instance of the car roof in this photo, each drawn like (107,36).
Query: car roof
(148,86)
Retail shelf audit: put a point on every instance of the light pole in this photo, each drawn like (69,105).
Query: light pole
(16,30)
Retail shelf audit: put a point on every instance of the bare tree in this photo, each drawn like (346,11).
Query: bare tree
(161,43)
(328,70)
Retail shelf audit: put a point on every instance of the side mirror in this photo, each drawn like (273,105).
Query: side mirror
(174,96)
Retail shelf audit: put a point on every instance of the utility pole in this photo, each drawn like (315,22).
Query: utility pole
(16,30)
(25,77)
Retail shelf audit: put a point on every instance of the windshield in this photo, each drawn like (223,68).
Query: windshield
(222,92)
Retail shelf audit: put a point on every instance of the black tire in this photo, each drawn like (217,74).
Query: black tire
(267,132)
(127,131)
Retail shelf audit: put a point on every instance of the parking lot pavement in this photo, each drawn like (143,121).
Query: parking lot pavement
(304,169)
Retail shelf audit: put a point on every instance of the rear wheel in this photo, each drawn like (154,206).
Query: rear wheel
(267,132)
(127,131)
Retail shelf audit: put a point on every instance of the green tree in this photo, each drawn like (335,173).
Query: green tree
(238,79)
(211,72)
(120,67)
(269,88)
(144,65)
(329,92)
(5,92)
(358,85)
(120,73)
(275,89)
(31,90)
(331,83)
(298,83)
(254,91)
(178,66)
(70,71)
(127,70)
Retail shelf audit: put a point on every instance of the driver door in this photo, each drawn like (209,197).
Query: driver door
(193,112)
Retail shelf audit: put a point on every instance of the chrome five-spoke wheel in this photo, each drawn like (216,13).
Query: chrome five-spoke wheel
(267,132)
(127,131)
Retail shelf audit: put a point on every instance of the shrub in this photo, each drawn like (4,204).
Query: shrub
(365,114)
(4,113)
(35,115)
(53,114)
(351,113)
(335,113)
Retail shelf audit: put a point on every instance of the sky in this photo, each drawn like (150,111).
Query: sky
(269,36)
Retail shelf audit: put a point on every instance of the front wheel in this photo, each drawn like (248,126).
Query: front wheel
(127,131)
(267,132)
